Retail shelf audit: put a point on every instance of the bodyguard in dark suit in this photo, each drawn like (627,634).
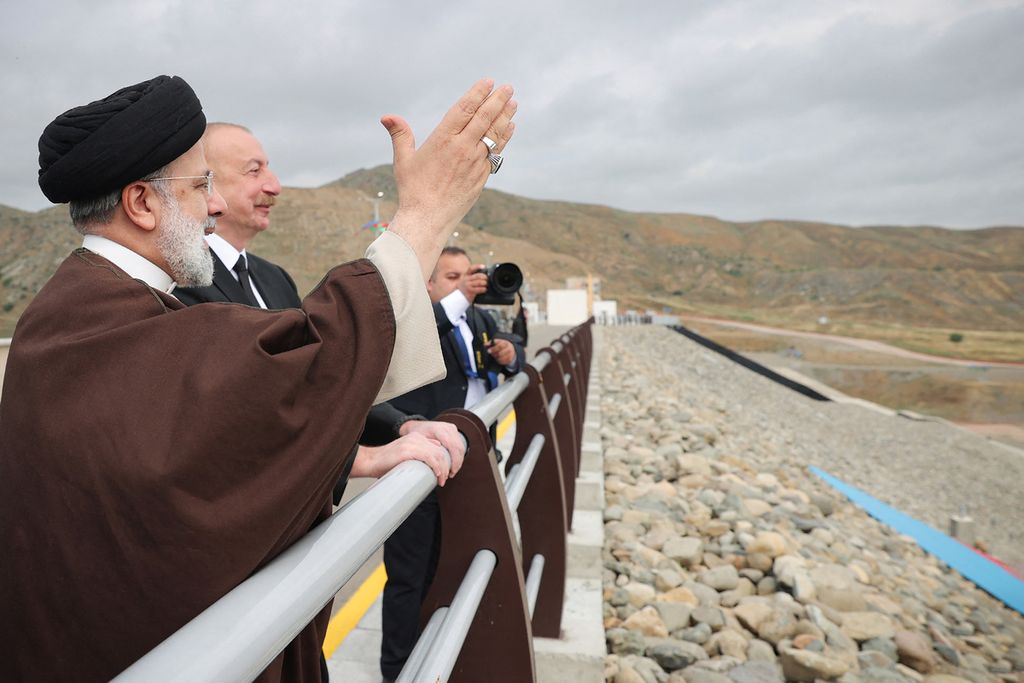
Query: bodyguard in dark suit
(473,357)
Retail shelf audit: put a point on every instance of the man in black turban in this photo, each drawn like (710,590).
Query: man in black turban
(95,149)
(125,510)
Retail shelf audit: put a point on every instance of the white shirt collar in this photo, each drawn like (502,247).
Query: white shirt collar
(224,250)
(127,260)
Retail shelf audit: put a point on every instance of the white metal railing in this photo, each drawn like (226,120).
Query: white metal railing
(443,649)
(239,635)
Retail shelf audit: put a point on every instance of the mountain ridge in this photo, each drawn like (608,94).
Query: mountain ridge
(770,270)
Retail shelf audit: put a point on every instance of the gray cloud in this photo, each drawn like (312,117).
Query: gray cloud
(859,112)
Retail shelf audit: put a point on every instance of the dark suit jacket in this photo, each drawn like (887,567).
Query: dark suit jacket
(274,283)
(450,392)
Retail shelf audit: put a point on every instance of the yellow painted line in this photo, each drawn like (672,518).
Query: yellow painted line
(504,425)
(353,611)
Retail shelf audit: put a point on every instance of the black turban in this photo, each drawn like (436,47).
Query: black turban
(92,150)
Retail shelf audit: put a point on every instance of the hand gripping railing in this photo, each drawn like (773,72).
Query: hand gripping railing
(486,601)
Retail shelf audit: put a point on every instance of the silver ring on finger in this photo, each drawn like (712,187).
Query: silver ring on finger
(495,160)
(489,143)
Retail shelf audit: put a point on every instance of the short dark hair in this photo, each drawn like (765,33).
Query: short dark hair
(447,251)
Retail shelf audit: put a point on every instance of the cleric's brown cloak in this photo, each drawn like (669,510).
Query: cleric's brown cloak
(153,456)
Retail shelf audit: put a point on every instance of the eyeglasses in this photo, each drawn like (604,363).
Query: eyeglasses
(208,178)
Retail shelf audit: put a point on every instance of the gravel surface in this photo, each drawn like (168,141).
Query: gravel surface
(726,561)
(928,470)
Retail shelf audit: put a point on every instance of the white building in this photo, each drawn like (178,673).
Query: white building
(567,306)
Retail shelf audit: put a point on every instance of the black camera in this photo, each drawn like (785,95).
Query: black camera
(503,281)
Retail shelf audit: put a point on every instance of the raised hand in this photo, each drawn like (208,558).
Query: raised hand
(474,282)
(439,182)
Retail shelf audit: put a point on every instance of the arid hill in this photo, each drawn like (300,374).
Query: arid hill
(783,272)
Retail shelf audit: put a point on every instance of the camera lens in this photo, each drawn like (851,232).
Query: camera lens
(506,278)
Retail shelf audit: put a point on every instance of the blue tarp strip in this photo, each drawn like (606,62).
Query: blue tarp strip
(986,574)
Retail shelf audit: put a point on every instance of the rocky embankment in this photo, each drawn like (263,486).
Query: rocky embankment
(725,560)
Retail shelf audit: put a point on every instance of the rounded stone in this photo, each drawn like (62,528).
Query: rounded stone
(915,650)
(699,634)
(721,578)
(686,551)
(640,594)
(760,650)
(770,543)
(672,655)
(624,642)
(759,561)
(806,666)
(861,626)
(681,594)
(712,616)
(729,643)
(758,671)
(628,675)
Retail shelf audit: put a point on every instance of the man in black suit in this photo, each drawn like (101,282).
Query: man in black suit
(243,177)
(473,358)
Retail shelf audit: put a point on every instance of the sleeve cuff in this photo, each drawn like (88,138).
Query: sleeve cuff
(455,306)
(416,358)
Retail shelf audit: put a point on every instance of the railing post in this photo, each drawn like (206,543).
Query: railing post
(543,521)
(574,368)
(564,423)
(475,516)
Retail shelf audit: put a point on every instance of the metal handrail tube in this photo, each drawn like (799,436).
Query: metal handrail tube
(439,662)
(235,638)
(541,361)
(491,406)
(553,405)
(519,477)
(533,581)
(423,645)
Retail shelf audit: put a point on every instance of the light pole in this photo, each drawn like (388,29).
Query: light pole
(376,207)
(376,225)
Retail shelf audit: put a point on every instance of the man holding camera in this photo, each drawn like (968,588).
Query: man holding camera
(473,358)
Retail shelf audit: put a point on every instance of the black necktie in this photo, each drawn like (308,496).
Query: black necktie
(243,279)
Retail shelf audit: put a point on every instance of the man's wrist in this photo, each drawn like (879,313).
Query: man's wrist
(406,419)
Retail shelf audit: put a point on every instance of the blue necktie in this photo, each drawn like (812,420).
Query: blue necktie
(460,344)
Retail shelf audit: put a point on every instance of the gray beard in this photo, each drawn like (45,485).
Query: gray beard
(182,245)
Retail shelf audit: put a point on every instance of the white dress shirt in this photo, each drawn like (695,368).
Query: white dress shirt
(455,306)
(228,255)
(130,262)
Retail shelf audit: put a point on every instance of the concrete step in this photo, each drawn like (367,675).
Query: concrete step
(578,655)
(585,543)
(590,491)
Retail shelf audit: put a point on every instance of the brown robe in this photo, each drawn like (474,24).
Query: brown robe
(153,456)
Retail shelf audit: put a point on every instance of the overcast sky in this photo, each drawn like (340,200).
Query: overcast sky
(856,112)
